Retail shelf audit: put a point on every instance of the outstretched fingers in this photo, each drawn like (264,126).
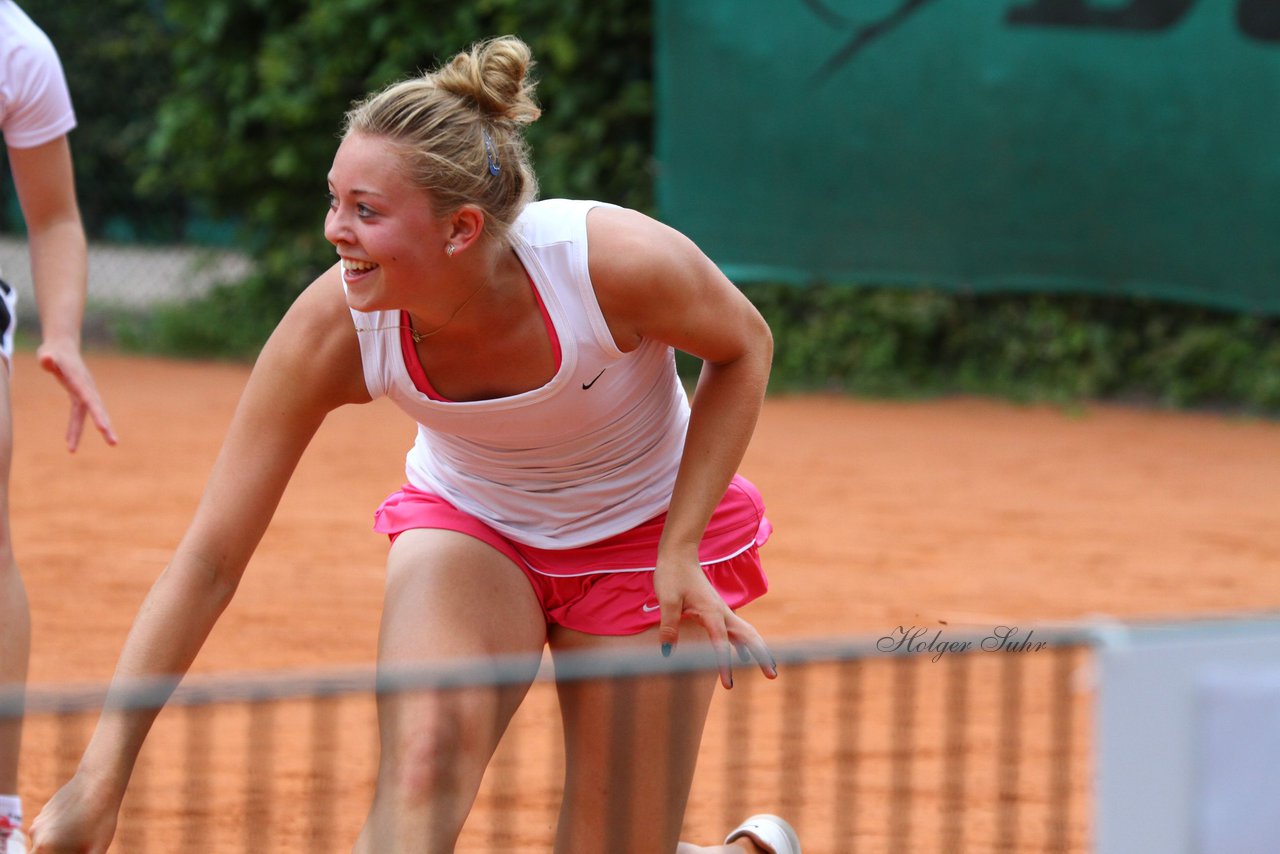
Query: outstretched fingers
(69,369)
(750,645)
(718,633)
(727,633)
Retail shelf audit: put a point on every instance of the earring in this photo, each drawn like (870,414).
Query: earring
(448,249)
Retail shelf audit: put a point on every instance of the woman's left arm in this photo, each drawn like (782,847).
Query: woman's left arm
(654,283)
(45,183)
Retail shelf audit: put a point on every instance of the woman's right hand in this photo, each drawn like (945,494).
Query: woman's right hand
(76,820)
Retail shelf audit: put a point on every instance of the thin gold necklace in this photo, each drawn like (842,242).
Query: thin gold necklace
(417,336)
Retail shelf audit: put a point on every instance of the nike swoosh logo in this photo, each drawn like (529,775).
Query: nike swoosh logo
(647,609)
(586,386)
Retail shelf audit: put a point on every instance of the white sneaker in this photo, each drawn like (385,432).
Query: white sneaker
(770,832)
(12,839)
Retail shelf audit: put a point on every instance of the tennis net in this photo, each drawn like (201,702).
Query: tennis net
(921,740)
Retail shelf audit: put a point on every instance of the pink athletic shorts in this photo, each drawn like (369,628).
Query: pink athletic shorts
(606,588)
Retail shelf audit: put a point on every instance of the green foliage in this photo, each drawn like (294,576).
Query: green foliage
(232,321)
(116,57)
(201,115)
(899,342)
(251,121)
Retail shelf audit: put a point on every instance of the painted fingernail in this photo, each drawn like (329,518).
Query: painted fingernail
(666,650)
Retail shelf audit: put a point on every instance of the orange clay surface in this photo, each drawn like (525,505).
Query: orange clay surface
(943,515)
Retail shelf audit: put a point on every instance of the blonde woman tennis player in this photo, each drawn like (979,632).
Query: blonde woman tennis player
(561,490)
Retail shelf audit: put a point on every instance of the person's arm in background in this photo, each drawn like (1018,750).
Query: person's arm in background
(46,189)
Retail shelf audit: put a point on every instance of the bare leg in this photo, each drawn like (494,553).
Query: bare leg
(15,616)
(631,746)
(449,598)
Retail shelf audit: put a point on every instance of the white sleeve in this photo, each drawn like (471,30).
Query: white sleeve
(38,104)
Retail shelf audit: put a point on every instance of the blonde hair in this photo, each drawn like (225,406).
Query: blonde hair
(461,127)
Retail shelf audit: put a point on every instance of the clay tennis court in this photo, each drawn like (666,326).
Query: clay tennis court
(939,514)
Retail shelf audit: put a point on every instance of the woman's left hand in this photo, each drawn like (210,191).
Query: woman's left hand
(68,367)
(684,592)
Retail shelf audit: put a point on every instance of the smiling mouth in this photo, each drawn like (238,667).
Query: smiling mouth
(352,269)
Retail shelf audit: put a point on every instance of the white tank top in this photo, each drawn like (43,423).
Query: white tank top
(591,454)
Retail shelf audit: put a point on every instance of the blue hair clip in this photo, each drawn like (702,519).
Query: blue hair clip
(491,154)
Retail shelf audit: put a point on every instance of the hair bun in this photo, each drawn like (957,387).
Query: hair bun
(494,74)
(460,130)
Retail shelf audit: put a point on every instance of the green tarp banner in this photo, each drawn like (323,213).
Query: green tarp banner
(1114,146)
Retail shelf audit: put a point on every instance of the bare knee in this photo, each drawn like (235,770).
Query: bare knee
(433,748)
(422,749)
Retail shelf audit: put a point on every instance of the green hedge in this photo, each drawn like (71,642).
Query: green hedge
(118,62)
(888,342)
(896,342)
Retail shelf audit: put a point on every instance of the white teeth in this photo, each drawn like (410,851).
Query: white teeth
(356,266)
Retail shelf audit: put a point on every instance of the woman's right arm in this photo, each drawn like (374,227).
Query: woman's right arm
(310,366)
